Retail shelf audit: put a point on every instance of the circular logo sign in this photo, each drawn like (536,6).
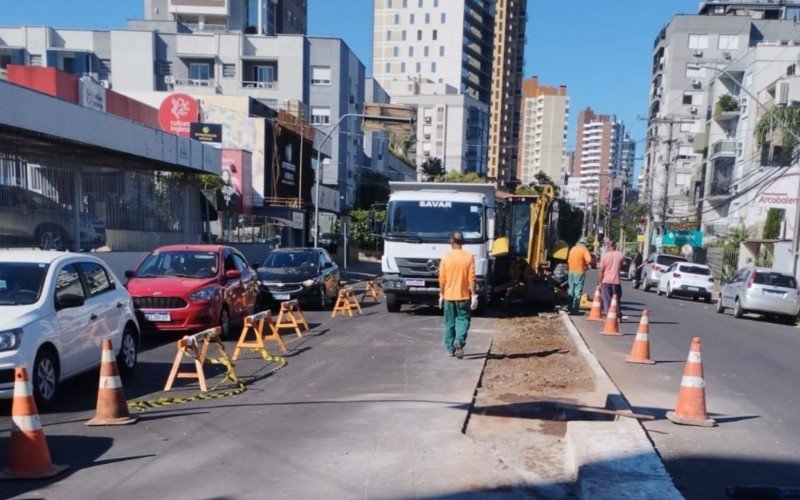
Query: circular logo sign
(686,250)
(176,113)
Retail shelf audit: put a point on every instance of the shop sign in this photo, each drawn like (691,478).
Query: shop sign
(92,94)
(778,193)
(288,173)
(177,113)
(674,238)
(206,132)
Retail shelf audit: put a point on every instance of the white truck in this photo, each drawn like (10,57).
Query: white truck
(420,217)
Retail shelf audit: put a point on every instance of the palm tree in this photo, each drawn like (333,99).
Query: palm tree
(432,168)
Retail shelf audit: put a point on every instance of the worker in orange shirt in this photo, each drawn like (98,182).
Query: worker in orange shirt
(458,294)
(578,261)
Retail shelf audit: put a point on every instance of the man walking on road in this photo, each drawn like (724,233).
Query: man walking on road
(577,263)
(610,266)
(458,294)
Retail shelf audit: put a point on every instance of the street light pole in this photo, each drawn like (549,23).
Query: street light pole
(796,236)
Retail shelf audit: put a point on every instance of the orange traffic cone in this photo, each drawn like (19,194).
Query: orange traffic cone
(596,312)
(29,456)
(611,326)
(112,409)
(640,352)
(691,409)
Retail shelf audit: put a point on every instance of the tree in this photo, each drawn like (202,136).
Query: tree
(373,189)
(402,145)
(462,178)
(772,226)
(570,222)
(432,168)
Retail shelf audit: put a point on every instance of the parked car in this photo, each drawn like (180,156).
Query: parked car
(330,242)
(188,288)
(27,217)
(761,290)
(55,311)
(306,274)
(652,269)
(687,280)
(624,269)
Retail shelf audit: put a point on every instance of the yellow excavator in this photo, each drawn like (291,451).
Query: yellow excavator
(525,253)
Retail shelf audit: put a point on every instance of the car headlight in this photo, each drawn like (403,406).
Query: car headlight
(10,339)
(203,295)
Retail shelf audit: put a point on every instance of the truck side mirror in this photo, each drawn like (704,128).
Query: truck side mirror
(500,247)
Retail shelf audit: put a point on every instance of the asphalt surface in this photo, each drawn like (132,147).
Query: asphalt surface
(752,377)
(369,407)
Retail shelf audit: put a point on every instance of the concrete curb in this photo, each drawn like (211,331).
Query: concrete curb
(612,460)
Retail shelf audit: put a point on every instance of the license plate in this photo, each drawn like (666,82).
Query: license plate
(693,288)
(158,317)
(280,296)
(415,283)
(774,292)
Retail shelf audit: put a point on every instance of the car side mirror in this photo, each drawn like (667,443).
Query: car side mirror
(130,273)
(233,274)
(69,300)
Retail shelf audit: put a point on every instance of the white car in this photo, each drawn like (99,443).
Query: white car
(55,311)
(687,280)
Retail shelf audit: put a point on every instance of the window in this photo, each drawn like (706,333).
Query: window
(435,3)
(688,98)
(433,67)
(397,19)
(264,74)
(687,127)
(241,265)
(435,34)
(68,65)
(419,68)
(685,151)
(728,42)
(402,67)
(388,67)
(419,34)
(68,282)
(199,71)
(230,262)
(441,51)
(419,4)
(405,3)
(395,51)
(5,60)
(411,18)
(683,179)
(444,17)
(403,35)
(320,115)
(698,42)
(389,3)
(411,51)
(427,18)
(228,71)
(426,51)
(96,278)
(389,35)
(320,75)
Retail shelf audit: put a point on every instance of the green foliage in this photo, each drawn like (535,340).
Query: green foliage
(401,144)
(541,179)
(772,226)
(462,178)
(525,190)
(360,229)
(373,189)
(212,181)
(725,103)
(570,222)
(736,236)
(788,115)
(629,219)
(432,168)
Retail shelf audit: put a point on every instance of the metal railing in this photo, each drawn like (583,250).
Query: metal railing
(726,148)
(260,85)
(194,82)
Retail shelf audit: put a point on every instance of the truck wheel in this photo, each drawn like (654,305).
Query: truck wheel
(392,305)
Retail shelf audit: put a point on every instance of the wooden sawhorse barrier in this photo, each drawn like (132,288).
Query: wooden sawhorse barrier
(290,316)
(196,347)
(263,328)
(346,303)
(372,291)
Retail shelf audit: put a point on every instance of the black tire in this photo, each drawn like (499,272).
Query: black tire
(707,299)
(738,312)
(225,323)
(392,304)
(128,355)
(635,284)
(695,298)
(646,285)
(720,307)
(51,238)
(790,320)
(45,377)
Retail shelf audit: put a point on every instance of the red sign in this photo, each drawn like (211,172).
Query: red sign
(176,113)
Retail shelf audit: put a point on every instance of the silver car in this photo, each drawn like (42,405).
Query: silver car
(653,267)
(763,291)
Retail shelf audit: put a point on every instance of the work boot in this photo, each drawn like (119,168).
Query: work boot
(459,349)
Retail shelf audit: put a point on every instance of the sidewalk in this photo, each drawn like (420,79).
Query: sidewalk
(360,271)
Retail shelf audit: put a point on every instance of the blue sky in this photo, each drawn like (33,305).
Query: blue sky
(601,49)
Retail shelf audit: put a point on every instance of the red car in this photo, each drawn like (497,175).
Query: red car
(188,288)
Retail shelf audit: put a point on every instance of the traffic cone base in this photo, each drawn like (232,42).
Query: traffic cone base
(112,409)
(703,422)
(28,453)
(596,312)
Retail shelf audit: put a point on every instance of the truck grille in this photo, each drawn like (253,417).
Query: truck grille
(159,302)
(416,267)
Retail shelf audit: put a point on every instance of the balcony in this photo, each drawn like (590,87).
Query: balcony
(720,189)
(196,86)
(273,85)
(723,149)
(727,108)
(721,183)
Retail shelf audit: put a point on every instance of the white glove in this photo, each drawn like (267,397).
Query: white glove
(441,301)
(474,303)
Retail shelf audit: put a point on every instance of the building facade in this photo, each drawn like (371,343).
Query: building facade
(598,154)
(254,17)
(444,41)
(507,67)
(543,132)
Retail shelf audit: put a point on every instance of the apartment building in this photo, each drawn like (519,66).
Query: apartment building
(507,67)
(598,154)
(444,41)
(721,32)
(451,125)
(254,17)
(543,131)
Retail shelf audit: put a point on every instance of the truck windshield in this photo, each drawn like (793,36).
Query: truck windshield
(434,220)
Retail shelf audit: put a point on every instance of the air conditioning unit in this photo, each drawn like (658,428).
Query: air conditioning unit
(726,55)
(693,109)
(698,53)
(697,83)
(690,138)
(428,120)
(782,94)
(427,137)
(169,79)
(660,91)
(105,83)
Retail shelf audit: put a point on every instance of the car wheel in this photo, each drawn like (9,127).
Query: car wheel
(737,309)
(707,299)
(790,320)
(51,238)
(129,350)
(45,377)
(225,323)
(646,286)
(720,307)
(392,304)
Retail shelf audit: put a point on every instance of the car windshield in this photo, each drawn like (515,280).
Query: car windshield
(21,283)
(668,260)
(181,263)
(775,279)
(702,271)
(434,220)
(289,259)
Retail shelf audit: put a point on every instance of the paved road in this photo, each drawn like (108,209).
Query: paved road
(366,408)
(752,375)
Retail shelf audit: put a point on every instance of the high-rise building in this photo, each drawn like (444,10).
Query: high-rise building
(598,154)
(255,17)
(507,66)
(543,132)
(444,41)
(720,33)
